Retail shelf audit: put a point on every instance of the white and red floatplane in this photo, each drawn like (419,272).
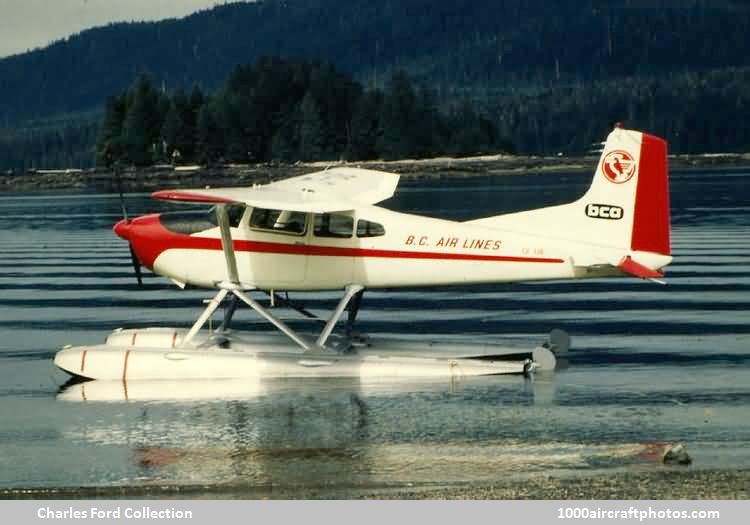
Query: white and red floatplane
(322,231)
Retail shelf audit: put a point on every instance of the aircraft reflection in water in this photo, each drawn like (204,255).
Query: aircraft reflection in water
(333,432)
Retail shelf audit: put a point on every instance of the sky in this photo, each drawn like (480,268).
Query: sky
(28,24)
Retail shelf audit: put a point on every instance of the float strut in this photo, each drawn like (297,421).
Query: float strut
(278,323)
(350,291)
(213,304)
(229,310)
(354,305)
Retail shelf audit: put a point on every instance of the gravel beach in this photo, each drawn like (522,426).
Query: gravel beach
(662,484)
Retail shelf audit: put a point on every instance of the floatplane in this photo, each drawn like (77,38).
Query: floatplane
(323,231)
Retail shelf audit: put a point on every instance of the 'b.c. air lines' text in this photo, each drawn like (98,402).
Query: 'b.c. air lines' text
(453,242)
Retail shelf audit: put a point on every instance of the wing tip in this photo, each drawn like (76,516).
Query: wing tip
(187,196)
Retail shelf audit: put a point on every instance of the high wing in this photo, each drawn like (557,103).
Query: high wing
(336,189)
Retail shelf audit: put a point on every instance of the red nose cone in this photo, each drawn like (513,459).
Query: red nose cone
(122,229)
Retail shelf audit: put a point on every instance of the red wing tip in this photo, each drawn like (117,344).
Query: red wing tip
(186,196)
(628,265)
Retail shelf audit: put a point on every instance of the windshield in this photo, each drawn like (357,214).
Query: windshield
(201,219)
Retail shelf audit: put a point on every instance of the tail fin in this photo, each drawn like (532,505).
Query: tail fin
(625,212)
(628,202)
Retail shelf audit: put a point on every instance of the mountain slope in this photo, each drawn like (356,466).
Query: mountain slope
(465,43)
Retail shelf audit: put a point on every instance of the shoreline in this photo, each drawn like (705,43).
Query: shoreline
(166,176)
(659,484)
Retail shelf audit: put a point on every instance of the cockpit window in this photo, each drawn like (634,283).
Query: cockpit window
(279,221)
(333,225)
(234,212)
(369,229)
(197,220)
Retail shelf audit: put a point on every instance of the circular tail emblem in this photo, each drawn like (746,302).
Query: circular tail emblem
(618,166)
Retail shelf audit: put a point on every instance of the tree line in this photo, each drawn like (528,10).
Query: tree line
(295,111)
(64,143)
(696,112)
(284,110)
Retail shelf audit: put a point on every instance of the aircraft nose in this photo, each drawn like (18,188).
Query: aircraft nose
(146,236)
(122,229)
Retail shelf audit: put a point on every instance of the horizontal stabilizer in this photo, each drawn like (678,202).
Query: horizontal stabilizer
(628,265)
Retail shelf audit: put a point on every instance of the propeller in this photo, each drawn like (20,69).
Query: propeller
(133,257)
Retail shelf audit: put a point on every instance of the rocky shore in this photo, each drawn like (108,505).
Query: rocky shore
(655,484)
(167,176)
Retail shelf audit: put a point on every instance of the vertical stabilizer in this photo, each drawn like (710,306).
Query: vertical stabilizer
(625,210)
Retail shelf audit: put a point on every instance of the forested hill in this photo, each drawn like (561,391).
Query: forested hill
(457,43)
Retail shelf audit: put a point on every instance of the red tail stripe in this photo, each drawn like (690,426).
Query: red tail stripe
(651,213)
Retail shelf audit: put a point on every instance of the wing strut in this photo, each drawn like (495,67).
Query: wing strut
(226,243)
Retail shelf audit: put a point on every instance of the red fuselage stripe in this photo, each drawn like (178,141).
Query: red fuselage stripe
(335,251)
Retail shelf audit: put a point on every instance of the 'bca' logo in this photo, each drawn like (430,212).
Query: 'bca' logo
(618,166)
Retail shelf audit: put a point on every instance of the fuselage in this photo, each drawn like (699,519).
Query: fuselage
(371,246)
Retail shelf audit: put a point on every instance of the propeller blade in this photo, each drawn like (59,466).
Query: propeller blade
(136,265)
(122,198)
(133,257)
(124,209)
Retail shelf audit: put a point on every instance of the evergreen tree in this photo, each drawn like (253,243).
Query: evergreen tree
(398,126)
(429,129)
(233,119)
(171,130)
(474,134)
(109,146)
(465,139)
(364,127)
(283,147)
(197,100)
(311,130)
(184,140)
(210,144)
(142,124)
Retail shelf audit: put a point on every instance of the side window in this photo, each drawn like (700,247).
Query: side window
(369,229)
(280,221)
(332,225)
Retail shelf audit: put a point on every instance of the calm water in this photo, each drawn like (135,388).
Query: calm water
(649,364)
